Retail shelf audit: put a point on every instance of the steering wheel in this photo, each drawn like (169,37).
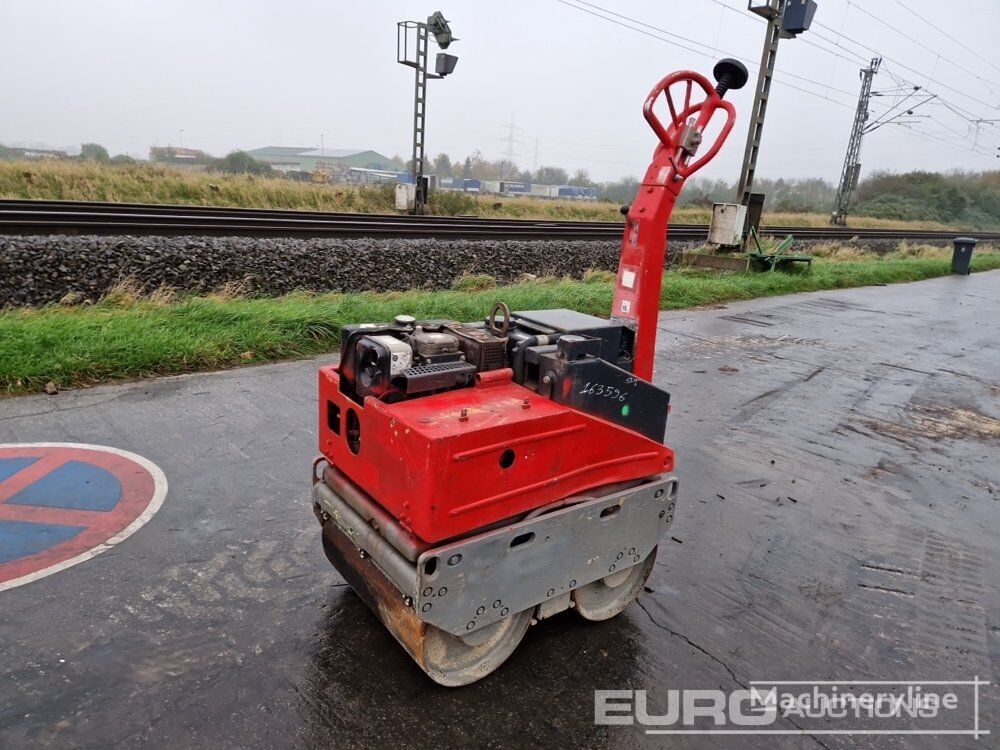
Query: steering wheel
(689,121)
(491,321)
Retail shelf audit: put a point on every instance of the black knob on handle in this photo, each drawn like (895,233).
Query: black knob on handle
(729,74)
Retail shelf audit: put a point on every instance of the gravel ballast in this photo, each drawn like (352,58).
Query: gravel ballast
(36,270)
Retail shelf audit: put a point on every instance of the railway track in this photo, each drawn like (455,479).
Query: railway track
(19,217)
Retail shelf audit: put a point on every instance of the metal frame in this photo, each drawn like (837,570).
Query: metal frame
(478,581)
(470,584)
(852,166)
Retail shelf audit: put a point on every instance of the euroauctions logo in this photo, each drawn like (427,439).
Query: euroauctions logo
(790,707)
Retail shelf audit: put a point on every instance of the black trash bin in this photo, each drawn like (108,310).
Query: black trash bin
(961,256)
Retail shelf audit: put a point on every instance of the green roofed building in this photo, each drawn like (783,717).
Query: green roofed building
(307,159)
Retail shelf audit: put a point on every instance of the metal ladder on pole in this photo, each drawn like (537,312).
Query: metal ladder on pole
(773,12)
(419,106)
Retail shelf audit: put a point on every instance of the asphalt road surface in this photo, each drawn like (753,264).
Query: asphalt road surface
(839,460)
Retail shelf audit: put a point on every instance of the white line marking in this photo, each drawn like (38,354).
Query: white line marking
(969,732)
(159,493)
(975,681)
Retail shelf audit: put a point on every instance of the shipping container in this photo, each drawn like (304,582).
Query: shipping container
(577,192)
(545,191)
(518,188)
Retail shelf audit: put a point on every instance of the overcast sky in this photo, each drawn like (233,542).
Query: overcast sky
(247,73)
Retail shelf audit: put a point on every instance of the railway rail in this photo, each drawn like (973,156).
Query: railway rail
(18,217)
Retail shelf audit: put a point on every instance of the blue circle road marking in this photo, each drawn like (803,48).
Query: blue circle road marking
(63,503)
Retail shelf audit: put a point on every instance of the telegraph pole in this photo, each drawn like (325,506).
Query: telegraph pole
(852,167)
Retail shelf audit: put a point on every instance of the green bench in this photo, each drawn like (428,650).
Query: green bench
(777,258)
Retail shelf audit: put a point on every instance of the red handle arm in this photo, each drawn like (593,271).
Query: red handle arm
(640,270)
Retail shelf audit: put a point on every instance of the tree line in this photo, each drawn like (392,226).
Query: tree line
(972,198)
(235,162)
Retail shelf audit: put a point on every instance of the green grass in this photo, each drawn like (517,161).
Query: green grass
(124,338)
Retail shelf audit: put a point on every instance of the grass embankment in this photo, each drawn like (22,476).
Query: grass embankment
(124,337)
(153,183)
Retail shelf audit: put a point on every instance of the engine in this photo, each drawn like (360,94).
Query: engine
(572,358)
(407,358)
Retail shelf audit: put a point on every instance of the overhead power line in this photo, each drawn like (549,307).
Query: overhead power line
(987,84)
(741,13)
(711,54)
(939,140)
(654,36)
(961,112)
(925,76)
(816,35)
(934,99)
(586,144)
(712,51)
(864,58)
(956,109)
(938,30)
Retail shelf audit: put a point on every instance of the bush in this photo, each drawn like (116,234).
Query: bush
(957,197)
(93,152)
(240,162)
(893,206)
(451,203)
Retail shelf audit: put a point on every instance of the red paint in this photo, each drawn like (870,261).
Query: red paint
(442,476)
(644,238)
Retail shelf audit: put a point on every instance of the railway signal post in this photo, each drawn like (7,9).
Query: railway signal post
(785,19)
(412,39)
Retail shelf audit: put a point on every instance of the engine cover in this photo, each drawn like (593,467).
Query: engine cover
(457,461)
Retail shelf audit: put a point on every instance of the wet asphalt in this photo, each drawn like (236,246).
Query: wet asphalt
(839,460)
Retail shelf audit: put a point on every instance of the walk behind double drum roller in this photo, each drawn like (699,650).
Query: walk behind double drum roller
(477,478)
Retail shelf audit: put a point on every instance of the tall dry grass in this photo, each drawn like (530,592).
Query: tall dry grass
(156,183)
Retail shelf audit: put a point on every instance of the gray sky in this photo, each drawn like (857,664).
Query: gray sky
(133,73)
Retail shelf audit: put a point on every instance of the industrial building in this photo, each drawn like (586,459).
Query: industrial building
(309,159)
(30,153)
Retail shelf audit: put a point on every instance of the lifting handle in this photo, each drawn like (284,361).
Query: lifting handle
(640,268)
(683,136)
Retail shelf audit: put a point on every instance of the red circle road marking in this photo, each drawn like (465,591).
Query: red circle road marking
(46,531)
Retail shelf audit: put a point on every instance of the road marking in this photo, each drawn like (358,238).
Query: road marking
(64,503)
